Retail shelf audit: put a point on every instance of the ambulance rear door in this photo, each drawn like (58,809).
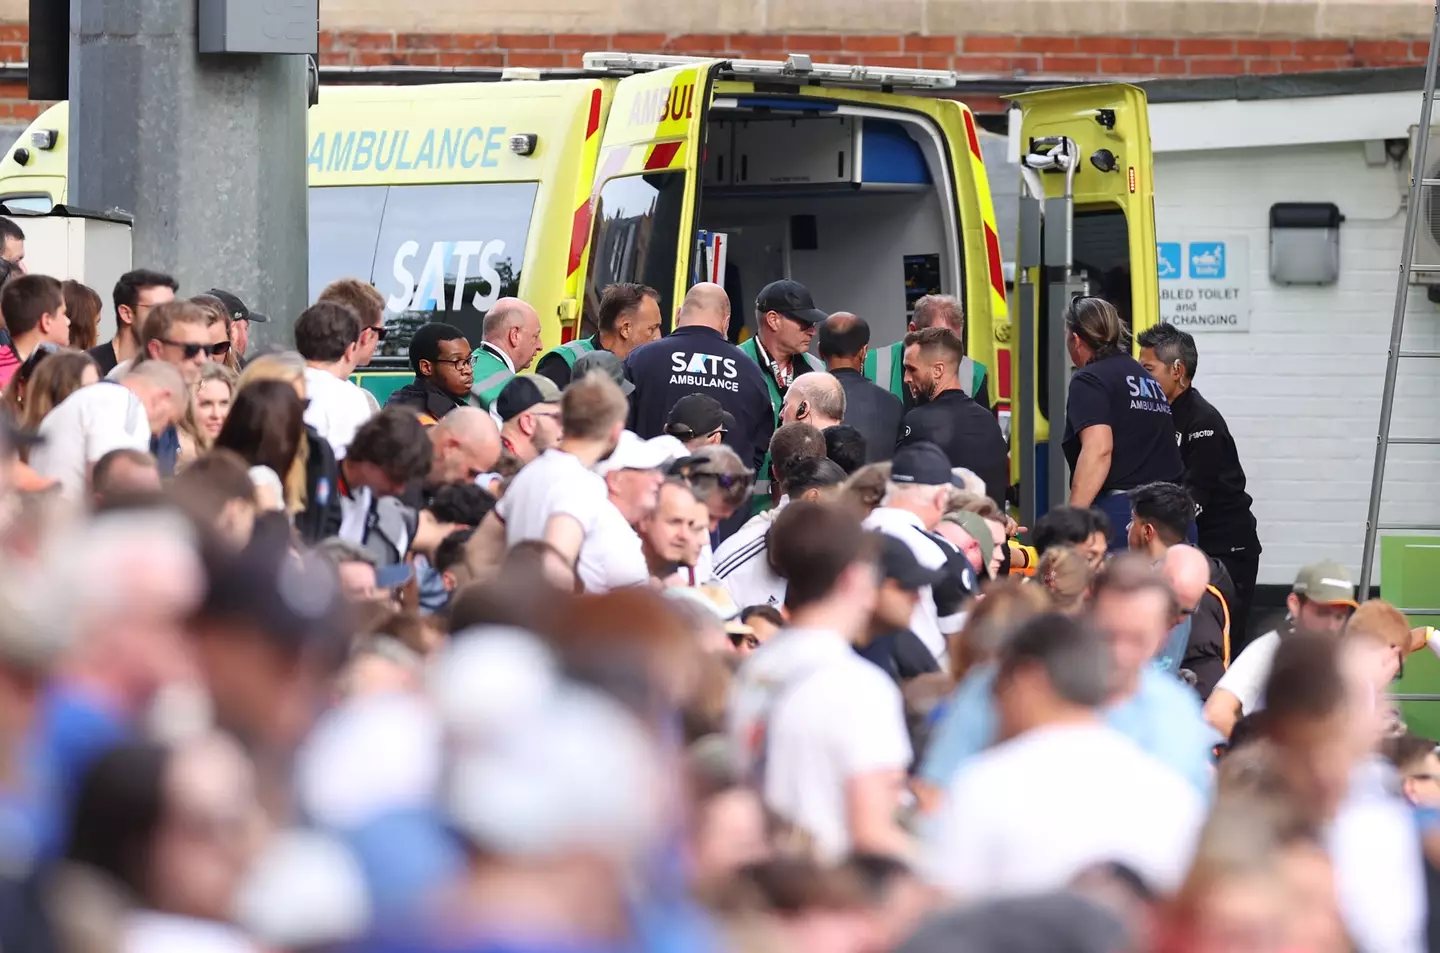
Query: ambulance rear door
(1087,226)
(647,186)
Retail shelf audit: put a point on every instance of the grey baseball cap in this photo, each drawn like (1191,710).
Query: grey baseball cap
(1326,582)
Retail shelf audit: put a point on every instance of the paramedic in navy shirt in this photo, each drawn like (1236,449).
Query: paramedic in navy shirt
(696,358)
(1118,430)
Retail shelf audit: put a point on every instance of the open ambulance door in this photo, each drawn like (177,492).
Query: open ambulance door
(647,186)
(1087,226)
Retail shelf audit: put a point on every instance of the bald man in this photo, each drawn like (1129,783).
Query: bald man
(697,359)
(816,399)
(871,409)
(510,339)
(466,444)
(1199,642)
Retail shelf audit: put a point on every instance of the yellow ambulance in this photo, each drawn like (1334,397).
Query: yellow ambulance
(865,183)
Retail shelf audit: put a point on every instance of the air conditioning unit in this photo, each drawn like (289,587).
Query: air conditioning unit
(1427,237)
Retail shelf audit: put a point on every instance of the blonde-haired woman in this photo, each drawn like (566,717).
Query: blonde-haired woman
(312,487)
(1118,429)
(209,406)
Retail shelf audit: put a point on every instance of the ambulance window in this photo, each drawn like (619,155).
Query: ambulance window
(436,252)
(39,204)
(344,224)
(637,230)
(1102,255)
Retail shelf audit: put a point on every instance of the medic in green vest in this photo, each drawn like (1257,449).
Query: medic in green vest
(785,323)
(511,339)
(886,365)
(629,317)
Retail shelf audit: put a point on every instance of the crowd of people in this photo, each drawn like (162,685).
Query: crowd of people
(675,644)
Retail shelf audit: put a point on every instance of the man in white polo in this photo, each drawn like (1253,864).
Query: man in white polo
(612,556)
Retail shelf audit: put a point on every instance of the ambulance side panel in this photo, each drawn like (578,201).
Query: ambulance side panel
(419,190)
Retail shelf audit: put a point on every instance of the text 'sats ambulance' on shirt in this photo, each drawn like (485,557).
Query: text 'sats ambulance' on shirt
(1117,392)
(698,360)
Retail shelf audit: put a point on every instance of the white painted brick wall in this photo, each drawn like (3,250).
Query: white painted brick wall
(1301,390)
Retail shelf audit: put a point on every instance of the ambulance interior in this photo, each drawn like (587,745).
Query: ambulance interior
(858,208)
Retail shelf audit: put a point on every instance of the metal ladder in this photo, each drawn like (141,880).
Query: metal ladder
(1383,442)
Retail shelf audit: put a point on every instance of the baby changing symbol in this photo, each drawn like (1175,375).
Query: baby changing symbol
(1207,259)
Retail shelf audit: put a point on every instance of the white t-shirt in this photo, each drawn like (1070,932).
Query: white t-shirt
(1379,872)
(926,623)
(1002,833)
(818,715)
(555,483)
(612,556)
(742,564)
(83,428)
(337,408)
(1247,675)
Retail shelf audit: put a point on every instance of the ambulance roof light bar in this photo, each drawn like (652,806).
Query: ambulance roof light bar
(794,66)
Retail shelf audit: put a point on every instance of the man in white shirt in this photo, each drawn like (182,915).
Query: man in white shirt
(1321,601)
(327,335)
(557,498)
(666,533)
(103,417)
(818,728)
(1000,834)
(612,556)
(920,482)
(742,563)
(1319,715)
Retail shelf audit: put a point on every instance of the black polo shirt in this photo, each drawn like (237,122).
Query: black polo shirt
(1117,392)
(969,435)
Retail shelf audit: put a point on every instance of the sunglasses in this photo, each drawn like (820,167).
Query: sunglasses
(191,350)
(726,481)
(379,331)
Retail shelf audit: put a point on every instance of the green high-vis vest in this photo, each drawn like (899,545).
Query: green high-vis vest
(762,479)
(886,367)
(491,376)
(570,353)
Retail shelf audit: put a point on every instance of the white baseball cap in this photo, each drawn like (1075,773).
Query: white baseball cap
(633,453)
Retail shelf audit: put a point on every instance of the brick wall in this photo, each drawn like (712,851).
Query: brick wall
(988,55)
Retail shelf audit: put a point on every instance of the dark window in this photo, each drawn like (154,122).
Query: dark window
(637,230)
(436,252)
(1102,256)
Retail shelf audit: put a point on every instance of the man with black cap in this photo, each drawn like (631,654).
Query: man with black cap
(698,421)
(240,318)
(696,359)
(528,408)
(915,502)
(889,643)
(785,323)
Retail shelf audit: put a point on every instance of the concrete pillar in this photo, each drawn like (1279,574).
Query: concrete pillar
(207,152)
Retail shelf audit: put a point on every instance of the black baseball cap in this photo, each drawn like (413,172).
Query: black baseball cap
(696,415)
(239,311)
(899,564)
(922,463)
(791,299)
(523,392)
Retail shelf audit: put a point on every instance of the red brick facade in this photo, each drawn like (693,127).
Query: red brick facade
(987,55)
